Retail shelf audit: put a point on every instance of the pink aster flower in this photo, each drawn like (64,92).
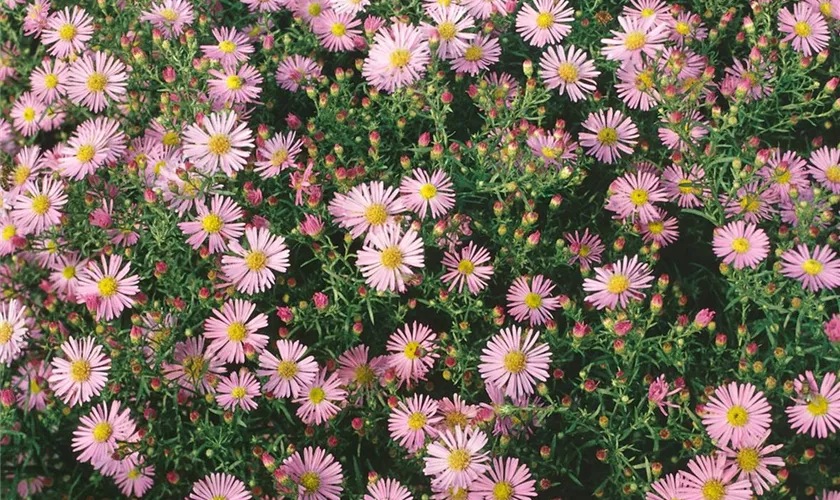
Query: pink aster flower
(31,385)
(99,433)
(233,47)
(412,352)
(49,81)
(398,57)
(195,368)
(296,71)
(546,22)
(38,207)
(170,16)
(387,489)
(349,6)
(13,331)
(682,132)
(218,142)
(830,495)
(83,374)
(737,414)
(618,283)
(708,477)
(659,392)
(637,37)
(367,208)
(586,249)
(412,421)
(666,488)
(422,192)
(806,29)
(67,31)
(609,135)
(65,275)
(337,31)
(456,413)
(469,266)
(832,329)
(637,86)
(752,202)
(817,408)
(515,363)
(37,15)
(27,113)
(108,288)
(94,143)
(457,459)
(265,5)
(661,230)
(238,390)
(451,25)
(686,28)
(482,9)
(389,256)
(278,154)
(752,462)
(634,195)
(481,53)
(235,85)
(218,223)
(135,478)
(571,71)
(321,400)
(357,372)
(825,168)
(507,478)
(28,164)
(232,327)
(817,269)
(651,10)
(219,485)
(532,300)
(95,80)
(784,172)
(317,474)
(555,148)
(289,374)
(684,186)
(741,244)
(252,270)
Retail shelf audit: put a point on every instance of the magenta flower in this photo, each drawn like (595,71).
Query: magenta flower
(737,414)
(806,29)
(634,195)
(741,244)
(648,10)
(296,71)
(817,408)
(609,135)
(545,22)
(317,474)
(661,230)
(232,327)
(412,421)
(357,372)
(337,31)
(514,363)
(618,283)
(289,374)
(170,17)
(685,186)
(832,329)
(252,270)
(752,202)
(27,113)
(532,300)
(238,390)
(412,352)
(320,400)
(571,71)
(783,173)
(31,385)
(469,266)
(817,269)
(38,207)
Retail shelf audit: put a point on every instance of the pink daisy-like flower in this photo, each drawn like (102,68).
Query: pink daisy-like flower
(11,236)
(412,421)
(508,479)
(637,37)
(27,113)
(830,495)
(634,195)
(252,270)
(666,488)
(13,331)
(457,459)
(265,6)
(806,29)
(387,489)
(95,80)
(482,9)
(609,135)
(469,266)
(659,392)
(708,478)
(337,31)
(752,202)
(553,147)
(456,413)
(219,485)
(83,374)
(135,478)
(741,244)
(637,86)
(218,142)
(752,462)
(235,85)
(296,71)
(817,269)
(618,283)
(49,81)
(825,167)
(653,10)
(289,374)
(170,16)
(546,22)
(389,256)
(65,275)
(662,230)
(532,300)
(86,152)
(398,57)
(109,288)
(515,363)
(357,372)
(686,28)
(28,164)
(412,352)
(67,32)
(785,172)
(451,25)
(31,385)
(217,223)
(349,6)
(98,433)
(367,208)
(38,208)
(568,70)
(422,192)
(685,186)
(828,8)
(238,390)
(310,10)
(317,474)
(194,368)
(586,249)
(737,414)
(278,154)
(481,53)
(319,401)
(233,47)
(817,408)
(232,327)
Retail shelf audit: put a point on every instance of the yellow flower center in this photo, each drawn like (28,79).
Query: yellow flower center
(447,30)
(412,350)
(21,174)
(459,460)
(416,421)
(635,40)
(466,267)
(233,82)
(133,474)
(740,245)
(102,432)
(107,286)
(237,332)
(67,32)
(638,197)
(713,490)
(40,204)
(238,392)
(338,29)
(825,8)
(644,81)
(456,419)
(314,9)
(515,361)
(567,72)
(533,300)
(80,370)
(169,14)
(685,186)
(428,191)
(545,20)
(748,459)
(96,82)
(503,491)
(28,114)
(549,152)
(364,375)
(227,47)
(85,153)
(750,203)
(647,12)
(6,332)
(584,250)
(211,223)
(171,139)
(458,493)
(683,28)
(194,367)
(399,58)
(618,283)
(783,176)
(737,416)
(608,136)
(256,260)
(310,481)
(832,173)
(279,157)
(818,406)
(34,387)
(8,233)
(473,53)
(391,257)
(219,497)
(376,214)
(316,395)
(812,267)
(218,144)
(656,227)
(802,29)
(69,272)
(50,81)
(287,369)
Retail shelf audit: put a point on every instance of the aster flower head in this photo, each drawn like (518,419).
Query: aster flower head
(290,372)
(456,413)
(252,270)
(545,22)
(39,206)
(67,31)
(109,288)
(337,31)
(96,80)
(637,37)
(661,230)
(218,223)
(13,331)
(28,164)
(357,372)
(608,135)
(422,193)
(27,113)
(659,392)
(481,53)
(785,171)
(741,244)
(752,461)
(708,478)
(752,202)
(450,25)
(295,71)
(666,488)
(412,352)
(321,399)
(817,408)
(218,143)
(235,85)
(805,29)
(412,421)
(634,195)
(737,414)
(278,154)
(532,300)
(219,485)
(482,9)
(685,186)
(82,374)
(825,167)
(398,57)
(233,47)
(232,327)
(586,249)
(515,362)
(194,368)
(650,10)
(317,474)
(457,458)
(618,283)
(135,478)
(570,70)
(389,256)
(367,208)
(31,385)
(554,148)
(470,266)
(170,16)
(637,86)
(99,433)
(238,390)
(508,478)
(387,489)
(686,28)
(817,269)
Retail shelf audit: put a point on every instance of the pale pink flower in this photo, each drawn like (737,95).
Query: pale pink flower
(412,352)
(238,390)
(218,223)
(67,31)
(289,373)
(609,135)
(13,331)
(218,143)
(618,283)
(546,22)
(398,57)
(532,299)
(252,270)
(571,71)
(737,414)
(457,459)
(515,362)
(321,400)
(470,266)
(83,374)
(367,208)
(412,421)
(170,16)
(233,47)
(317,474)
(389,256)
(481,53)
(100,432)
(96,80)
(232,327)
(422,192)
